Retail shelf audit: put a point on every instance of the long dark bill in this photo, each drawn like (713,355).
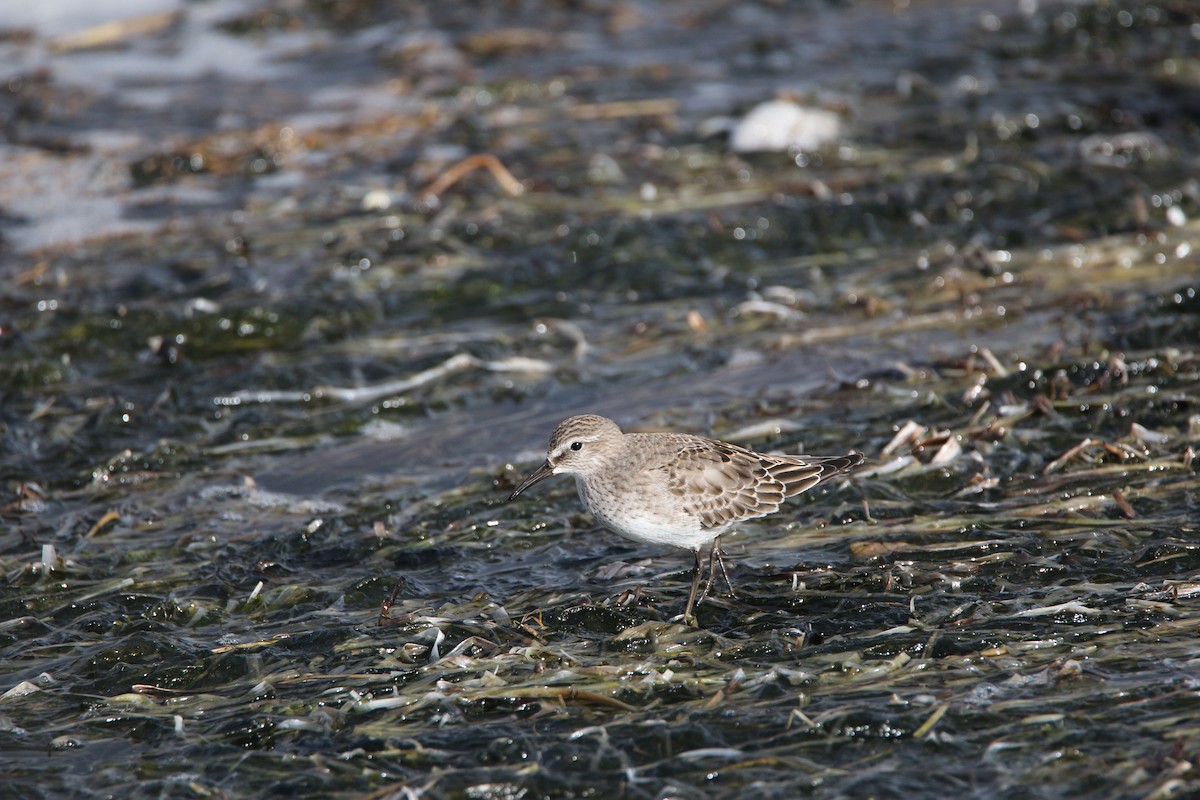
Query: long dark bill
(540,474)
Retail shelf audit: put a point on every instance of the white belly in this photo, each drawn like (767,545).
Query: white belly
(649,516)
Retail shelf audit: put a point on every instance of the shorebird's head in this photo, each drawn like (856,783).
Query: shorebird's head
(578,446)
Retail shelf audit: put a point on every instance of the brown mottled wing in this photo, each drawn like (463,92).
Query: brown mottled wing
(722,483)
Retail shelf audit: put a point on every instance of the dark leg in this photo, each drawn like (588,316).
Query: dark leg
(714,561)
(721,563)
(713,558)
(687,613)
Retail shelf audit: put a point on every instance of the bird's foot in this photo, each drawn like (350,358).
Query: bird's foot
(687,618)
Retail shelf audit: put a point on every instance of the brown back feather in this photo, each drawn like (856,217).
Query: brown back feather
(721,483)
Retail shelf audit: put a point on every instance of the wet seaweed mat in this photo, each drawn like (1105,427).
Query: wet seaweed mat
(1043,620)
(352,277)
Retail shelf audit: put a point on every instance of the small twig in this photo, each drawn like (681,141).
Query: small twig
(387,604)
(109,516)
(932,720)
(1059,462)
(1123,504)
(480,160)
(111,34)
(568,693)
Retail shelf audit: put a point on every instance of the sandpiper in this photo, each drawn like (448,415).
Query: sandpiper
(675,488)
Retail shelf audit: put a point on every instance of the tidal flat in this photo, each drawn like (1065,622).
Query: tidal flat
(292,294)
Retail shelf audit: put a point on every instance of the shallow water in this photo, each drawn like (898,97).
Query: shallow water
(255,376)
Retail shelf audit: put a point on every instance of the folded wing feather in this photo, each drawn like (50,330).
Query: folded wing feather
(722,483)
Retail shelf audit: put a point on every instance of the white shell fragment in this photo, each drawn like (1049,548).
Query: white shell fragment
(780,126)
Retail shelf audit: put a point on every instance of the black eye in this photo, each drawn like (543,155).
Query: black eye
(576,445)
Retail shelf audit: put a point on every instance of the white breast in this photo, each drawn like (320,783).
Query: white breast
(650,514)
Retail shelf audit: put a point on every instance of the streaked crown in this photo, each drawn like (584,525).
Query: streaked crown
(583,441)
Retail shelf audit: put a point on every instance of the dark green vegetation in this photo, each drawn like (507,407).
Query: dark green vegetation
(226,441)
